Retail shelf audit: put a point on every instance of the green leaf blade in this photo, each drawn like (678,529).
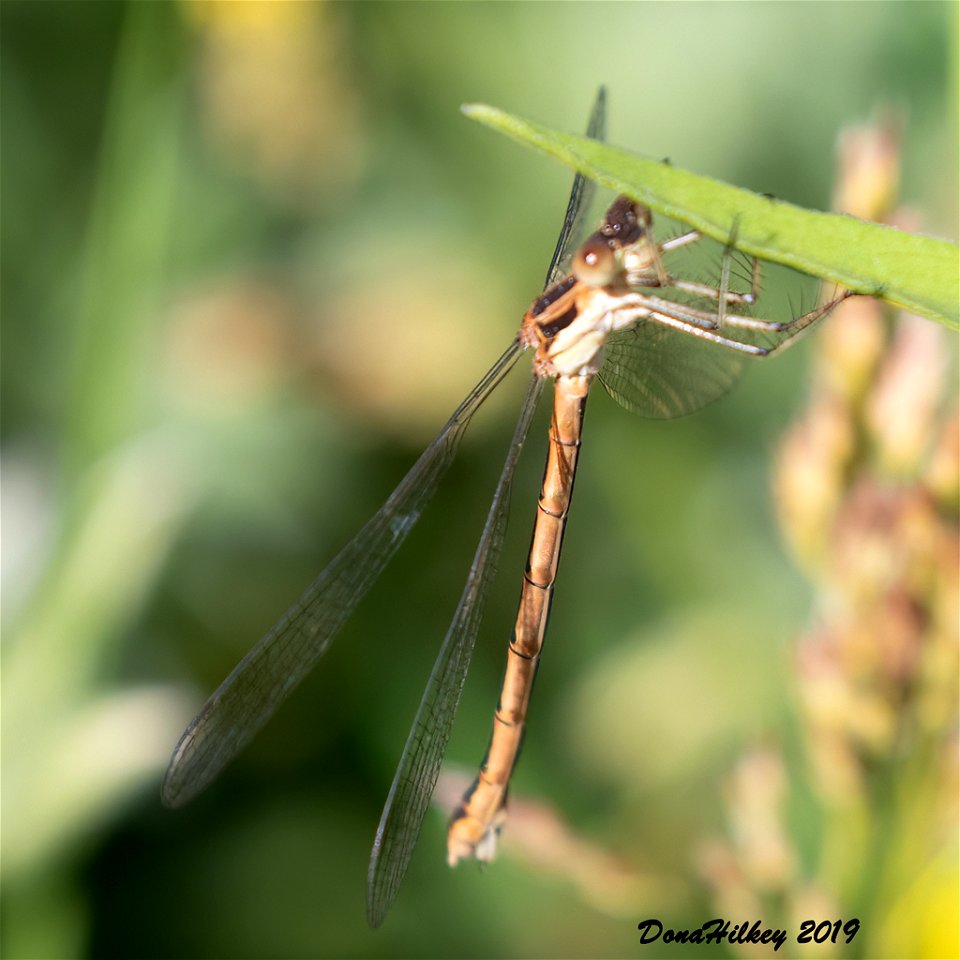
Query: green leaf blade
(913,271)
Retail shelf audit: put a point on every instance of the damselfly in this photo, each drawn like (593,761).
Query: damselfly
(662,346)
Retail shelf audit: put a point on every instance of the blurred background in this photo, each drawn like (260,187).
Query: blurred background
(253,256)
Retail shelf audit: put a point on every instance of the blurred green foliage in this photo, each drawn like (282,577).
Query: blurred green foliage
(253,256)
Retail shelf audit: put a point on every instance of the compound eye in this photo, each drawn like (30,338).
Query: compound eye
(596,263)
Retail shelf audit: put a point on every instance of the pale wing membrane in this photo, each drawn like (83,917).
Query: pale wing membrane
(426,744)
(416,776)
(272,669)
(581,195)
(660,373)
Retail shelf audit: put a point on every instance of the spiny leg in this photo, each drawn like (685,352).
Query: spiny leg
(672,315)
(721,293)
(792,327)
(674,243)
(725,275)
(709,319)
(799,325)
(663,278)
(715,293)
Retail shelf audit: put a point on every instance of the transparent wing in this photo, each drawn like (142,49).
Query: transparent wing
(426,744)
(660,373)
(581,195)
(267,675)
(419,767)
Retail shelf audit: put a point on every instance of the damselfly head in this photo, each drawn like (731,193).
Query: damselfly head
(626,221)
(600,261)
